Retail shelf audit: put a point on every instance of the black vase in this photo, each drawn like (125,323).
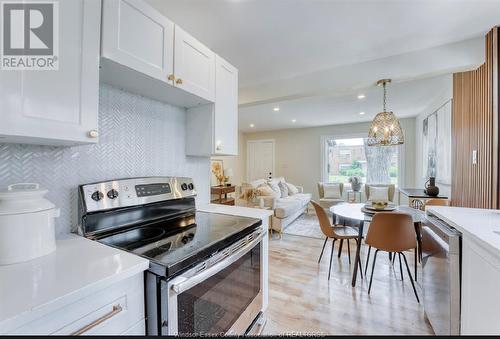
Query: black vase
(431,188)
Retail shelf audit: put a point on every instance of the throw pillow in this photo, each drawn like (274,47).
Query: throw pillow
(331,191)
(284,189)
(275,187)
(379,193)
(292,189)
(266,191)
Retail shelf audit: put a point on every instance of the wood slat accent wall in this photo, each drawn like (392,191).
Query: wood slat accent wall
(475,127)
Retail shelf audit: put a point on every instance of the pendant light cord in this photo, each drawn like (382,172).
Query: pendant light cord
(385,97)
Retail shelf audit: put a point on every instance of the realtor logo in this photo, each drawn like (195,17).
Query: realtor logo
(30,35)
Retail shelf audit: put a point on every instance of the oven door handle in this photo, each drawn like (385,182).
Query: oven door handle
(185,283)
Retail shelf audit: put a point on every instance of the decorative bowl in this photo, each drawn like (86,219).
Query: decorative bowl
(380,205)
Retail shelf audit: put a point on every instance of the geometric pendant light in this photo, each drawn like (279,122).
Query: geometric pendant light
(385,129)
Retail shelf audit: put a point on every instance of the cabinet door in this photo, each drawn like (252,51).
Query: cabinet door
(226,108)
(480,297)
(194,66)
(57,106)
(136,35)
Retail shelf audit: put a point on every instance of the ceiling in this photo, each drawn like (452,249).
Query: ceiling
(288,50)
(406,99)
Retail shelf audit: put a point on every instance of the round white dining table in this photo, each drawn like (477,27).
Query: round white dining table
(353,212)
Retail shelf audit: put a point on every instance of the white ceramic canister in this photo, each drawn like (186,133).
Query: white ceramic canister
(26,223)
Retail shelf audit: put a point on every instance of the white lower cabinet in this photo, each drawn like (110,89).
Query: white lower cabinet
(57,106)
(117,309)
(480,311)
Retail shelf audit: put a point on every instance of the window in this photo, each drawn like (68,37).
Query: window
(347,157)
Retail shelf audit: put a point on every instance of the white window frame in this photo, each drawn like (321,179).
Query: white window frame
(324,160)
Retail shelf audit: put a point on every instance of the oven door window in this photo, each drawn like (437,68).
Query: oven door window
(215,304)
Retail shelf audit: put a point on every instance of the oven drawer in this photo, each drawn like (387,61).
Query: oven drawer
(110,311)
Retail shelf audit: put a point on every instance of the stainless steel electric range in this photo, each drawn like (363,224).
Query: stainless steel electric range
(205,274)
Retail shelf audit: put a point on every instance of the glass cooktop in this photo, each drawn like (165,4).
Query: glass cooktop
(176,244)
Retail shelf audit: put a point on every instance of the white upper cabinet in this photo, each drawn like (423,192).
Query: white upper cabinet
(226,108)
(213,129)
(145,53)
(57,107)
(136,35)
(194,66)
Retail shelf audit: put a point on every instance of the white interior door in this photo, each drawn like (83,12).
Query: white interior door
(260,159)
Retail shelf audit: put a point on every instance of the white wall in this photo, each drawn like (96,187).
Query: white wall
(441,98)
(298,151)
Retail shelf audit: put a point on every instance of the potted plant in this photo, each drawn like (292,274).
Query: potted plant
(355,182)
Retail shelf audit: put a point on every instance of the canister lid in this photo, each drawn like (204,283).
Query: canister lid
(24,198)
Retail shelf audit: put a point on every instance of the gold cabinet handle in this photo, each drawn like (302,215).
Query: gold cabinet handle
(178,81)
(171,77)
(116,309)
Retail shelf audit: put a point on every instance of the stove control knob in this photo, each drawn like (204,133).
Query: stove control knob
(185,239)
(191,187)
(97,195)
(113,194)
(190,236)
(184,186)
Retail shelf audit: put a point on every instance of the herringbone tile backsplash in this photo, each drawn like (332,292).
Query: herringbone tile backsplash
(138,137)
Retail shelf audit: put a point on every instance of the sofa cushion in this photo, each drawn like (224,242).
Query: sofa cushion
(266,191)
(286,207)
(331,191)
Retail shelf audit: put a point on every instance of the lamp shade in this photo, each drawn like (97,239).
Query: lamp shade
(385,130)
(228,172)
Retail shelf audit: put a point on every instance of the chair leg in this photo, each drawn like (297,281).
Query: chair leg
(393,258)
(340,247)
(390,256)
(367,258)
(411,279)
(349,251)
(400,266)
(373,269)
(324,244)
(331,256)
(415,262)
(359,262)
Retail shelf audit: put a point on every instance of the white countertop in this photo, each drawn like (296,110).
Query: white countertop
(258,213)
(480,224)
(76,269)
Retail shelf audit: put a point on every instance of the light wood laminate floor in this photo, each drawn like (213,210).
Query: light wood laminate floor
(303,301)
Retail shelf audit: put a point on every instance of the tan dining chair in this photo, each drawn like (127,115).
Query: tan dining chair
(334,232)
(437,202)
(392,232)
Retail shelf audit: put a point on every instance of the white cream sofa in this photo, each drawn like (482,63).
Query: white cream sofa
(287,209)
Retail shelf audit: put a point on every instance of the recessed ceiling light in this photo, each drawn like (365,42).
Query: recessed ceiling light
(361,96)
(252,125)
(361,113)
(294,120)
(276,109)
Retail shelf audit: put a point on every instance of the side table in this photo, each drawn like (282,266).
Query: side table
(354,195)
